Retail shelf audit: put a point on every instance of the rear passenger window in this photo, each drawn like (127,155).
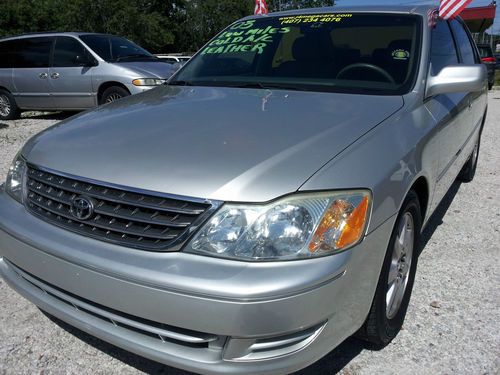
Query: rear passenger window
(7,49)
(66,51)
(464,43)
(443,51)
(33,53)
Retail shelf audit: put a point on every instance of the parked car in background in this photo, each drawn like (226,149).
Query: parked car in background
(73,71)
(489,59)
(265,204)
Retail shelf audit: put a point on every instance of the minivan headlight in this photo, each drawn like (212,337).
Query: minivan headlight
(15,176)
(148,82)
(296,227)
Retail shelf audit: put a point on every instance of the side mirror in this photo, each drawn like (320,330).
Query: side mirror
(457,78)
(85,61)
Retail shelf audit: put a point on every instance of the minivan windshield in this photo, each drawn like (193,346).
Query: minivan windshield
(115,49)
(333,52)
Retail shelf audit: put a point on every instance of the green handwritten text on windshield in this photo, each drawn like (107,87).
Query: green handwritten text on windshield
(243,37)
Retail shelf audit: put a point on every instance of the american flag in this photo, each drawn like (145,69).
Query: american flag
(261,7)
(449,9)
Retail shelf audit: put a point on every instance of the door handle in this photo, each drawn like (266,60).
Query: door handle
(43,75)
(54,75)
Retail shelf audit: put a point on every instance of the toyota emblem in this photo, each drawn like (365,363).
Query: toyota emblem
(82,208)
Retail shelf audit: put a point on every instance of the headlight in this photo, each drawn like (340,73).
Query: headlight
(296,227)
(15,176)
(148,82)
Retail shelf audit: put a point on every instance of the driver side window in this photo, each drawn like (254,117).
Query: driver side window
(443,49)
(66,51)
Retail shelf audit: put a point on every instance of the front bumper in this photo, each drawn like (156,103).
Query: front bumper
(197,313)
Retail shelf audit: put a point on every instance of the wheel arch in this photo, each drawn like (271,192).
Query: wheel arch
(421,187)
(5,89)
(106,85)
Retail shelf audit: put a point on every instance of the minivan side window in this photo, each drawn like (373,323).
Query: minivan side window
(7,50)
(66,51)
(464,43)
(443,50)
(33,52)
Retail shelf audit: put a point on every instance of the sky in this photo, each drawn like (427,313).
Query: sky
(495,28)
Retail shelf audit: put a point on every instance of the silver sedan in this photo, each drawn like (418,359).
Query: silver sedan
(264,205)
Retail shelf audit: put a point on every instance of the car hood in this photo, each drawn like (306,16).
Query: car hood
(218,143)
(150,69)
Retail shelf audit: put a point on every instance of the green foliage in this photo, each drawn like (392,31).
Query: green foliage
(205,18)
(277,5)
(157,25)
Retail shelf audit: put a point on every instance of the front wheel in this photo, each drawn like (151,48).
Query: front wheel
(112,94)
(395,284)
(8,107)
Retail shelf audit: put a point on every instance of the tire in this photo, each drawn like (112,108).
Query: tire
(469,169)
(113,93)
(8,107)
(385,319)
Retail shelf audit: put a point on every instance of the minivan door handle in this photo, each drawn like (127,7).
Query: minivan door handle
(54,75)
(43,75)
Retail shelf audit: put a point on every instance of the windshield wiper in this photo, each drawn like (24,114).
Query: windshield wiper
(263,86)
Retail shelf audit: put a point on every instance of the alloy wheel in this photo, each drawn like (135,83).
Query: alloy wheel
(111,98)
(4,105)
(399,269)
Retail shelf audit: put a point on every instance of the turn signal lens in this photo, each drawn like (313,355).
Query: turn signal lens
(342,225)
(354,225)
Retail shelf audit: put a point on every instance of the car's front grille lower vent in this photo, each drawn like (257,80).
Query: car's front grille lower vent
(123,217)
(159,331)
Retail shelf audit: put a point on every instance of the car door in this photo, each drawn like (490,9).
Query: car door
(30,73)
(70,75)
(447,109)
(475,100)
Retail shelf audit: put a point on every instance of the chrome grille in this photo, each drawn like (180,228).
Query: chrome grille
(120,216)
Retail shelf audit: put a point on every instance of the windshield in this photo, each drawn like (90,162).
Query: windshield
(114,49)
(343,52)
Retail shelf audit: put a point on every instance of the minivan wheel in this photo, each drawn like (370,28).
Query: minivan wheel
(395,284)
(469,169)
(112,94)
(8,107)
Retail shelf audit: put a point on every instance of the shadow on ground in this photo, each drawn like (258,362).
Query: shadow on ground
(332,363)
(437,217)
(3,125)
(48,115)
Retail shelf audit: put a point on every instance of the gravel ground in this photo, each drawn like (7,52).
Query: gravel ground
(452,326)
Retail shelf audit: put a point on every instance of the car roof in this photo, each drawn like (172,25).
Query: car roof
(51,33)
(419,9)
